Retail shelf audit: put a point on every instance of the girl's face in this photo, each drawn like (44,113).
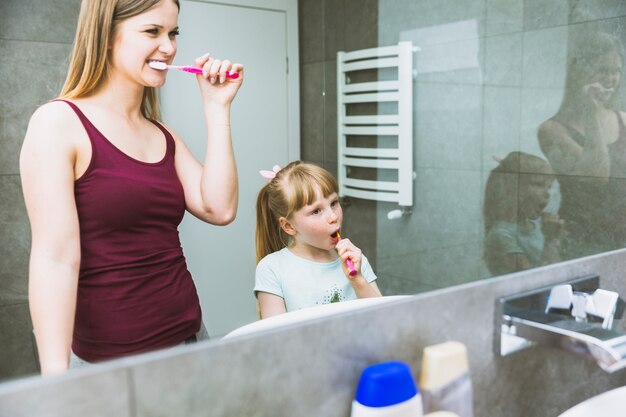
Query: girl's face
(313,226)
(149,36)
(534,194)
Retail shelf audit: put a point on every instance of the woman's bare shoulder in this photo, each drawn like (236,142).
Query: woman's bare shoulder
(53,119)
(169,128)
(53,113)
(551,129)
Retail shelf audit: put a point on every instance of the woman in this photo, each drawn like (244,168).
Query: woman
(106,186)
(585,143)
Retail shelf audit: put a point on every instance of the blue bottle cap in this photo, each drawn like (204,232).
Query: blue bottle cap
(385,384)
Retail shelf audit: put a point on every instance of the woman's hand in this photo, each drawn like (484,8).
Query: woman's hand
(214,86)
(597,94)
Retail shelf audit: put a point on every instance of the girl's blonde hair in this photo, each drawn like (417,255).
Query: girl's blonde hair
(503,192)
(90,60)
(294,187)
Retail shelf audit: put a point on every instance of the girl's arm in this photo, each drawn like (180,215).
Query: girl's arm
(211,189)
(47,172)
(270,304)
(362,288)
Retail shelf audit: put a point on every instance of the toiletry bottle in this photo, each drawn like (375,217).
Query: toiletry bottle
(387,389)
(445,381)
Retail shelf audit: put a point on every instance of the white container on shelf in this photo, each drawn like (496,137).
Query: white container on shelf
(387,389)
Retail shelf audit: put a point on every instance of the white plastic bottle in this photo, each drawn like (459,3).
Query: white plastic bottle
(387,389)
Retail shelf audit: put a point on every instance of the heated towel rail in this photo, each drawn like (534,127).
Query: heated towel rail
(392,69)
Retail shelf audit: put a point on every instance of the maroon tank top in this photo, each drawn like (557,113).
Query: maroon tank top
(134,290)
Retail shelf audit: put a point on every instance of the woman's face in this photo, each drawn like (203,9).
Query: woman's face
(149,36)
(609,70)
(606,73)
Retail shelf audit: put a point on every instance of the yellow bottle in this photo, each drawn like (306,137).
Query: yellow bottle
(445,381)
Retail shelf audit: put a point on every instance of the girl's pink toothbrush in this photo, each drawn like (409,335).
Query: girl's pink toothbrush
(348,261)
(194,70)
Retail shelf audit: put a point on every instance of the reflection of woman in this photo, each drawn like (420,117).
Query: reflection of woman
(585,142)
(106,186)
(518,233)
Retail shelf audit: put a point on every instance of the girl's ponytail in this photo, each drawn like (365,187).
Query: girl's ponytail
(268,231)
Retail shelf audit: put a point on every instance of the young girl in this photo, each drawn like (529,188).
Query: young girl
(106,186)
(302,260)
(519,234)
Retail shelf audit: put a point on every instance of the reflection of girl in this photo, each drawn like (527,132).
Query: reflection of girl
(518,234)
(106,186)
(302,259)
(585,142)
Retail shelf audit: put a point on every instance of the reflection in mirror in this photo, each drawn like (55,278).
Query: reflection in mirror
(533,78)
(585,141)
(519,233)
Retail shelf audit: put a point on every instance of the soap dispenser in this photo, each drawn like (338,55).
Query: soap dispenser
(387,389)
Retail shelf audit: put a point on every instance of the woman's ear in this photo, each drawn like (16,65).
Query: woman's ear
(287,226)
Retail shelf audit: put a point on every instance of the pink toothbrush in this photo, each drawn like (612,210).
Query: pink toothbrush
(348,261)
(194,70)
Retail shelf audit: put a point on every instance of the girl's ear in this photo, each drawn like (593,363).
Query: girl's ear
(287,227)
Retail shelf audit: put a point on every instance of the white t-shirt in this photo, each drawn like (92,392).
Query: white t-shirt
(303,283)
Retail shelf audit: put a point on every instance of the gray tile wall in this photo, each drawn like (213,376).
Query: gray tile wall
(312,369)
(326,27)
(35,40)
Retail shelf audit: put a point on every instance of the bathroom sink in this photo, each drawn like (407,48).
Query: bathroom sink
(312,313)
(608,404)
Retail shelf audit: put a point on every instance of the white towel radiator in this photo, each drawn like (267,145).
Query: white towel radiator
(400,125)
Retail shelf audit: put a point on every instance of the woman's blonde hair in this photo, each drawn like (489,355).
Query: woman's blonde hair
(294,187)
(90,60)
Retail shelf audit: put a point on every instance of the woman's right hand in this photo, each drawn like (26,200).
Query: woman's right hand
(215,87)
(597,94)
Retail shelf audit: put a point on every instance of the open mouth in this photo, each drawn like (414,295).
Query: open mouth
(336,235)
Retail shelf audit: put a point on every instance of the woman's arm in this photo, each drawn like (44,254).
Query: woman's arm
(47,172)
(568,156)
(211,189)
(270,304)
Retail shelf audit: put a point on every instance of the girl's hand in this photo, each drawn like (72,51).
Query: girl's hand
(214,86)
(552,226)
(346,249)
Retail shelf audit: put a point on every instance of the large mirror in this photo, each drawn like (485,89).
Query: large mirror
(519,141)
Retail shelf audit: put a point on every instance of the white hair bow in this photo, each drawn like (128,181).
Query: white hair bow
(270,175)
